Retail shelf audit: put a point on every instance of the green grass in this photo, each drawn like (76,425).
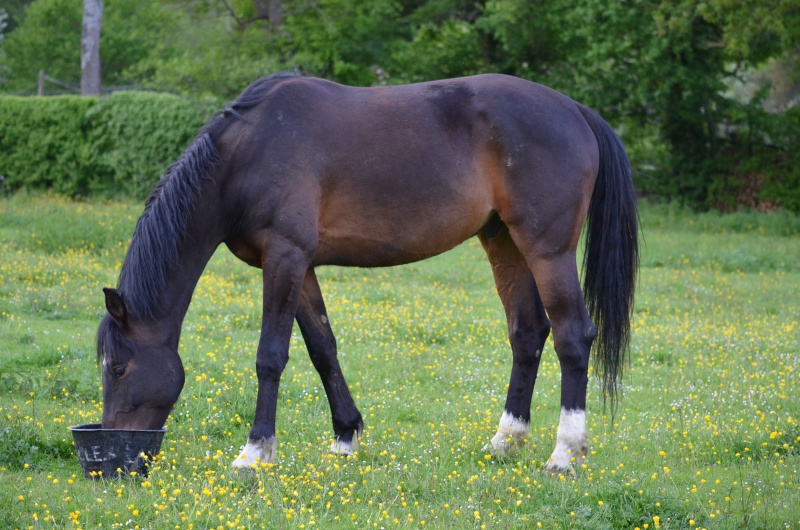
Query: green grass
(706,435)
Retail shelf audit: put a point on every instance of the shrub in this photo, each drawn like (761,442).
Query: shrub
(114,146)
(759,168)
(42,143)
(136,135)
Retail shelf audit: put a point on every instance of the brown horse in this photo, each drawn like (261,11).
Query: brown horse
(301,172)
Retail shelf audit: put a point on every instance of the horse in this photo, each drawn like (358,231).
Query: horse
(299,172)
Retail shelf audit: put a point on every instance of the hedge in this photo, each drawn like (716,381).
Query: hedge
(121,144)
(117,145)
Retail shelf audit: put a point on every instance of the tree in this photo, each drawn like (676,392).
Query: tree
(90,47)
(223,45)
(663,71)
(3,23)
(44,39)
(252,11)
(340,39)
(13,10)
(440,39)
(48,37)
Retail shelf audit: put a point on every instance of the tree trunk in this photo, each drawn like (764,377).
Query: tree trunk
(90,47)
(272,10)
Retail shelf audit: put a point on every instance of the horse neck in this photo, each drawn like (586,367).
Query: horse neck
(195,253)
(203,236)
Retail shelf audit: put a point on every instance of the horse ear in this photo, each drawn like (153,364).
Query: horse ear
(116,306)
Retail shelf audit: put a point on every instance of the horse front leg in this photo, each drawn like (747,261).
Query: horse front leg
(312,318)
(283,270)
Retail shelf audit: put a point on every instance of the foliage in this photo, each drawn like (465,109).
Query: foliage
(667,70)
(341,39)
(134,136)
(118,145)
(42,143)
(206,60)
(48,38)
(449,49)
(758,167)
(528,38)
(668,75)
(706,435)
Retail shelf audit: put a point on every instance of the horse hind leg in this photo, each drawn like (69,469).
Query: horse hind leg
(528,329)
(321,344)
(573,333)
(559,286)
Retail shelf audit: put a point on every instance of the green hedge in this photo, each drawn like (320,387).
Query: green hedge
(121,144)
(117,145)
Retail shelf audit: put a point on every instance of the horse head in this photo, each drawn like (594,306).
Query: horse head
(142,372)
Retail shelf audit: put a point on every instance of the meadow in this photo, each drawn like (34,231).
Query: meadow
(706,434)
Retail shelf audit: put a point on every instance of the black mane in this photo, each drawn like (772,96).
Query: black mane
(161,228)
(255,93)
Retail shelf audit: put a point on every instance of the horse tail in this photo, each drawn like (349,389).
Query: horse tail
(611,255)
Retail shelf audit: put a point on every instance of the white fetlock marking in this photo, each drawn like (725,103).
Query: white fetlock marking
(571,441)
(511,431)
(256,453)
(345,448)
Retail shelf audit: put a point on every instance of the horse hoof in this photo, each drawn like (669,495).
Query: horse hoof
(565,459)
(501,448)
(245,476)
(563,462)
(255,453)
(511,435)
(344,448)
(558,470)
(502,445)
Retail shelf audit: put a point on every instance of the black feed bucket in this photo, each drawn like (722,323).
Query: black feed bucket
(113,452)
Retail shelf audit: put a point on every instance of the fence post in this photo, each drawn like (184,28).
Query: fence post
(40,90)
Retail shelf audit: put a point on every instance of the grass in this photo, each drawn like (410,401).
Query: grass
(706,436)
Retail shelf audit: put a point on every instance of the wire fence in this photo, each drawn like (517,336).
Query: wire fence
(51,86)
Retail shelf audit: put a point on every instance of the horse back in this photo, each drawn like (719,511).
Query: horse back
(388,175)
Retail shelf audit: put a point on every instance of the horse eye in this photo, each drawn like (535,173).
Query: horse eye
(119,370)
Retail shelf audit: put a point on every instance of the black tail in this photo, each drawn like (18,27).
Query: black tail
(611,257)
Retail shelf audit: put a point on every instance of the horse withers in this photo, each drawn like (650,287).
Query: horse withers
(300,172)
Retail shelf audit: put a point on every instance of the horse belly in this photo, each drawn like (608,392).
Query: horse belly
(394,231)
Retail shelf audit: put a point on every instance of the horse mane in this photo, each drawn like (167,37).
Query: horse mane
(255,93)
(160,230)
(162,226)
